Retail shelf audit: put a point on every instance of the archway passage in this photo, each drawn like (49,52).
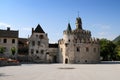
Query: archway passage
(66,61)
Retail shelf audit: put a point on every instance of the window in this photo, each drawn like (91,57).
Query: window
(94,49)
(86,61)
(66,44)
(33,43)
(41,36)
(36,35)
(4,40)
(78,50)
(69,40)
(37,51)
(75,40)
(42,51)
(47,53)
(38,43)
(32,51)
(87,49)
(13,40)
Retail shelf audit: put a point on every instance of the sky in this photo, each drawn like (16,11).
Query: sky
(101,17)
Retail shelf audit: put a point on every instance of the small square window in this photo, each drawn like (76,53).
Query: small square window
(42,51)
(69,40)
(66,44)
(36,35)
(37,51)
(86,61)
(78,50)
(41,36)
(32,51)
(4,40)
(33,43)
(13,40)
(87,49)
(38,43)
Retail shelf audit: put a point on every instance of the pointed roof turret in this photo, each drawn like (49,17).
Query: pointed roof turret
(39,29)
(69,27)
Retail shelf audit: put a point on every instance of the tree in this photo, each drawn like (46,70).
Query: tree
(1,49)
(13,50)
(117,49)
(107,50)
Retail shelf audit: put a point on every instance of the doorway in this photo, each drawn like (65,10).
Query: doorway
(66,61)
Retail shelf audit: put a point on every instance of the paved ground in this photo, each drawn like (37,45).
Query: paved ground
(61,72)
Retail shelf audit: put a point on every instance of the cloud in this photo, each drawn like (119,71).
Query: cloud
(4,25)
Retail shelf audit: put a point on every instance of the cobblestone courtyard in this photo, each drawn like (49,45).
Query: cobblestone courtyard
(61,72)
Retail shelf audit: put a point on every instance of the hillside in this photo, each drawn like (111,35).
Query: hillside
(116,39)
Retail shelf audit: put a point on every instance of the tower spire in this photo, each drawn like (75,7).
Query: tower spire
(69,27)
(78,23)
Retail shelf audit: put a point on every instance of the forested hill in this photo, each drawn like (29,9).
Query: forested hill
(116,39)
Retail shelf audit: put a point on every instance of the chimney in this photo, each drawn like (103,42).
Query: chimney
(8,28)
(32,30)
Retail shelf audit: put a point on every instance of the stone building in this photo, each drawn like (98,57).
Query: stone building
(23,50)
(40,50)
(77,46)
(53,53)
(38,45)
(9,41)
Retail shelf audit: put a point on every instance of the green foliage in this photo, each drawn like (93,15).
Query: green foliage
(2,50)
(117,49)
(13,50)
(116,39)
(107,49)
